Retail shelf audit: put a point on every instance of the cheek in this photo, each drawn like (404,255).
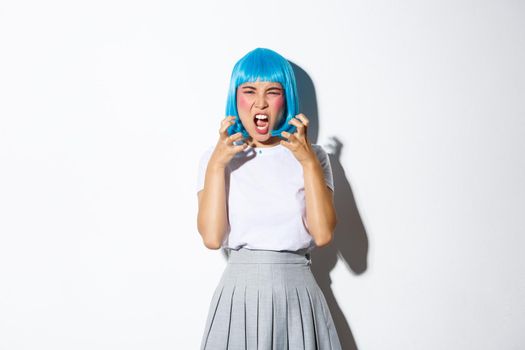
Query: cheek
(278,102)
(242,102)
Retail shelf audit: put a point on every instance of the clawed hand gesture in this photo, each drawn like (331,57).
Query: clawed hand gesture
(225,149)
(298,142)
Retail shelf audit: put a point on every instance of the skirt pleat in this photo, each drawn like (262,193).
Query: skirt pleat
(252,310)
(280,330)
(295,320)
(238,319)
(268,300)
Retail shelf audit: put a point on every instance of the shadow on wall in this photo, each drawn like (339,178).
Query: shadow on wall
(350,242)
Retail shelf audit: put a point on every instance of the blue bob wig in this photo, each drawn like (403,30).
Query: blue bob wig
(263,65)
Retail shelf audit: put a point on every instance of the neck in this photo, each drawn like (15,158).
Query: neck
(271,142)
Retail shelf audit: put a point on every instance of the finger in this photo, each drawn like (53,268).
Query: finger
(240,148)
(225,124)
(229,117)
(291,137)
(231,139)
(299,125)
(285,134)
(303,118)
(286,144)
(227,120)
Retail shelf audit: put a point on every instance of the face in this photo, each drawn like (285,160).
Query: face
(261,106)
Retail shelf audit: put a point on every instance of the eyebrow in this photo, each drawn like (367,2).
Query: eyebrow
(253,88)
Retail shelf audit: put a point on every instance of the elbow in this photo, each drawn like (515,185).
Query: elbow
(211,244)
(324,240)
(326,237)
(210,239)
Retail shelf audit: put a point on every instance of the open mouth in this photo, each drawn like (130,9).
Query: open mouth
(261,123)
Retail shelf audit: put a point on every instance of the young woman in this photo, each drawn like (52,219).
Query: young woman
(266,195)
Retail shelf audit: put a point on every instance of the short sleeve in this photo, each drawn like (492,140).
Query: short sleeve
(324,159)
(201,171)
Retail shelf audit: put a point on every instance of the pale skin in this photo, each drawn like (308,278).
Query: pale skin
(263,98)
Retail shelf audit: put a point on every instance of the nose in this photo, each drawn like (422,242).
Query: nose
(260,101)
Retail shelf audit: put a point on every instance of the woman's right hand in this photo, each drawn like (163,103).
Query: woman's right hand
(225,150)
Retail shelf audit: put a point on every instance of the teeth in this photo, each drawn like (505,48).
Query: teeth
(261,116)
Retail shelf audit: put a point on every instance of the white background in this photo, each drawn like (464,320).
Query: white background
(106,106)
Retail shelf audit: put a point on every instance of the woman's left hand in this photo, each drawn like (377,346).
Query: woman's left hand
(298,142)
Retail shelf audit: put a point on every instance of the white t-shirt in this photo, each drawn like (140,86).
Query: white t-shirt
(265,197)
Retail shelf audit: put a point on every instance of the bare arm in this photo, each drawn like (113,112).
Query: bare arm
(212,221)
(212,218)
(320,210)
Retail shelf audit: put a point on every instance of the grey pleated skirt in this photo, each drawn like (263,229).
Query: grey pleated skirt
(266,300)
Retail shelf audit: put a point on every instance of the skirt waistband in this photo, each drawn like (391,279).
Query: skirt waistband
(256,256)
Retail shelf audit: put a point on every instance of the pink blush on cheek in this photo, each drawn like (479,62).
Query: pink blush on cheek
(279,102)
(242,101)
